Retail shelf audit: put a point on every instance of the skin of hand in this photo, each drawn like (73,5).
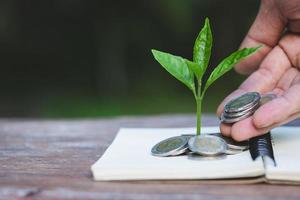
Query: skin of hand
(275,68)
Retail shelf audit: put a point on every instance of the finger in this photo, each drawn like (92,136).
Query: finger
(279,109)
(290,45)
(225,129)
(290,78)
(249,130)
(244,129)
(294,26)
(266,29)
(265,78)
(289,119)
(276,112)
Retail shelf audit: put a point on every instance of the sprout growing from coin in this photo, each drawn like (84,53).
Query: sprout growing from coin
(190,73)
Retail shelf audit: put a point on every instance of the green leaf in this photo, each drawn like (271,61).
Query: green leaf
(202,47)
(228,63)
(195,68)
(176,66)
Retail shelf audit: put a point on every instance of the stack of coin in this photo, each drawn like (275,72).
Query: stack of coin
(212,144)
(241,107)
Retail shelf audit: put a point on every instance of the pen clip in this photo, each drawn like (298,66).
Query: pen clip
(261,146)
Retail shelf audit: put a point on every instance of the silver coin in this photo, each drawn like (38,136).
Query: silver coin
(245,109)
(195,157)
(241,113)
(180,151)
(171,146)
(233,151)
(233,147)
(242,102)
(207,145)
(232,117)
(232,120)
(188,135)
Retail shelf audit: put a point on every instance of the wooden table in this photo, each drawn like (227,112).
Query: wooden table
(51,159)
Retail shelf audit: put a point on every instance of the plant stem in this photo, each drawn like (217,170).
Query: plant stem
(198,103)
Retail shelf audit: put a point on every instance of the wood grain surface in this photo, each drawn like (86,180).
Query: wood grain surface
(51,159)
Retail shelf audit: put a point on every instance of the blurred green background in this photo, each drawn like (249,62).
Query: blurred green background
(92,58)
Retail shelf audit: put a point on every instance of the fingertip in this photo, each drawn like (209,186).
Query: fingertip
(272,112)
(245,67)
(225,129)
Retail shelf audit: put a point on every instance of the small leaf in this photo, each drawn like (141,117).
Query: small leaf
(202,47)
(176,66)
(195,68)
(228,63)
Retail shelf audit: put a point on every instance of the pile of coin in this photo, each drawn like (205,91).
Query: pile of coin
(212,144)
(215,144)
(244,106)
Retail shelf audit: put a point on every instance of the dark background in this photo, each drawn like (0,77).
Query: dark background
(85,58)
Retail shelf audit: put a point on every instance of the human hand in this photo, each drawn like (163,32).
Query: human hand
(275,68)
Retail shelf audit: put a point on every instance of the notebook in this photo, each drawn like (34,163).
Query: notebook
(129,158)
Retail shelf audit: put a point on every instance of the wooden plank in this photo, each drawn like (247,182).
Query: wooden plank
(50,159)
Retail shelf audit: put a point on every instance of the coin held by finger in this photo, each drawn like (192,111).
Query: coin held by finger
(244,106)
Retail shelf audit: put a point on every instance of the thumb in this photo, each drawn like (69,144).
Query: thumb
(279,110)
(266,30)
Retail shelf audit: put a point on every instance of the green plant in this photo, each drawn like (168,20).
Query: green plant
(191,73)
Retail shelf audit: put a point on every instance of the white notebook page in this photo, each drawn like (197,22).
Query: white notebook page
(287,154)
(129,158)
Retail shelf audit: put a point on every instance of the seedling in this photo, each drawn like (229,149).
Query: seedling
(191,73)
